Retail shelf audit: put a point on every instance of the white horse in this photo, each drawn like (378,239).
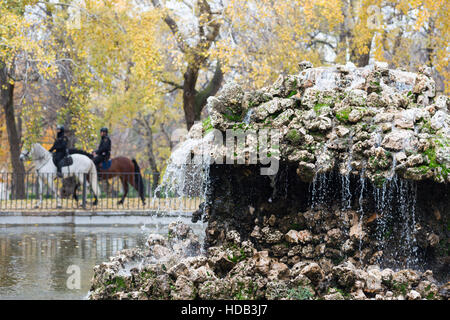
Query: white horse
(46,169)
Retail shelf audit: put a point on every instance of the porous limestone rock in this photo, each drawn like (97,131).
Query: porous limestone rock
(336,109)
(136,274)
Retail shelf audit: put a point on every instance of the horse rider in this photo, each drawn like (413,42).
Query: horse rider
(59,149)
(103,152)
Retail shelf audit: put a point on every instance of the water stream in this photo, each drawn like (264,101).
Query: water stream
(362,182)
(394,207)
(346,193)
(187,171)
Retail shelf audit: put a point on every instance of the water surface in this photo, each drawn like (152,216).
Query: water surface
(35,260)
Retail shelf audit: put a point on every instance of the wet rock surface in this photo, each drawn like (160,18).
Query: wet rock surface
(237,270)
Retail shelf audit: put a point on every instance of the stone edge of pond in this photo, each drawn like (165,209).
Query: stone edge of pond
(95,218)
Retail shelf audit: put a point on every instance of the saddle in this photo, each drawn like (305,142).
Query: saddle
(106,164)
(65,162)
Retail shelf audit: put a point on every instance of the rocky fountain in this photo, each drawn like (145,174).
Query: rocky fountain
(358,207)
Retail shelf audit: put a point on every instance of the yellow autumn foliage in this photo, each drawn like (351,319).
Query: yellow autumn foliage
(122,54)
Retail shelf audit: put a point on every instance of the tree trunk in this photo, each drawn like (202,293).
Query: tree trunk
(347,34)
(69,131)
(148,133)
(152,160)
(7,103)
(208,30)
(361,60)
(429,49)
(211,89)
(189,93)
(156,175)
(193,101)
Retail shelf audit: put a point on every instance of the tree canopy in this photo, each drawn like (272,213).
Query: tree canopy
(145,67)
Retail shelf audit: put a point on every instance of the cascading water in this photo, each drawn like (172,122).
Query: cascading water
(362,182)
(346,193)
(248,116)
(407,209)
(319,190)
(187,173)
(273,185)
(323,78)
(320,185)
(286,181)
(395,203)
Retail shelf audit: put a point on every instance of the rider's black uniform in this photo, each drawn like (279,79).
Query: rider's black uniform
(60,150)
(104,151)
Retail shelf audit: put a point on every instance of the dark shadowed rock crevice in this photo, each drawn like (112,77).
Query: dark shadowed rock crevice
(376,227)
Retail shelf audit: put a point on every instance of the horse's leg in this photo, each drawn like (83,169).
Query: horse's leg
(125,189)
(93,181)
(54,188)
(139,189)
(75,190)
(90,184)
(95,197)
(40,183)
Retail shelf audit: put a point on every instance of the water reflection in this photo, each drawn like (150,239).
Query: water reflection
(34,260)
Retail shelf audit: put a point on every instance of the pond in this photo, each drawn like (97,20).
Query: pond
(36,262)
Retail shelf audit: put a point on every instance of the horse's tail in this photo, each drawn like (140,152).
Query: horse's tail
(138,180)
(94,180)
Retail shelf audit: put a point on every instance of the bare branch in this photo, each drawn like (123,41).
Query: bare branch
(173,27)
(172,83)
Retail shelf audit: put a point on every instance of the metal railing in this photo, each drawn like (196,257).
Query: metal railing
(22,192)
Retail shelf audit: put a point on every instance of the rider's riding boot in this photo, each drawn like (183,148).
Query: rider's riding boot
(58,171)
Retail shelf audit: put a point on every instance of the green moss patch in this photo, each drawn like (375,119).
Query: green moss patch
(300,293)
(207,126)
(293,136)
(319,106)
(343,114)
(441,170)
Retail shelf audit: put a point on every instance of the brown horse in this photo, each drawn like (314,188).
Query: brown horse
(126,169)
(128,172)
